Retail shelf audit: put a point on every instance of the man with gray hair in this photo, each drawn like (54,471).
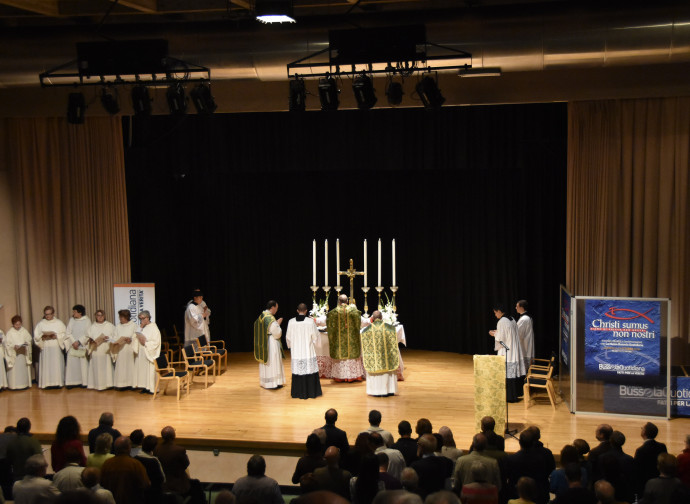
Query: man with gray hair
(34,488)
(410,480)
(479,490)
(149,340)
(105,424)
(432,470)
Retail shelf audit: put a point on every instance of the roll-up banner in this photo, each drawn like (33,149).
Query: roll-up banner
(135,297)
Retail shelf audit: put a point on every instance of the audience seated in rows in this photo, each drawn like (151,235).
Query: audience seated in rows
(256,486)
(21,447)
(105,425)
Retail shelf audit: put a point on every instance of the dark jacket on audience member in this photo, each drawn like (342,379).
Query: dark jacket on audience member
(335,480)
(432,471)
(661,490)
(19,449)
(307,464)
(408,448)
(126,478)
(528,462)
(618,468)
(94,433)
(593,457)
(174,460)
(645,462)
(155,473)
(336,437)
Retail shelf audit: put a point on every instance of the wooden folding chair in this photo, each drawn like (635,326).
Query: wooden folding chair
(540,376)
(199,362)
(167,373)
(217,349)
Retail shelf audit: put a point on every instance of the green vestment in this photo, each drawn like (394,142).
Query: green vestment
(380,348)
(261,336)
(343,324)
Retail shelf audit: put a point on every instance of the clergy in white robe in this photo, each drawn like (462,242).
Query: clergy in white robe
(301,337)
(525,332)
(381,357)
(267,348)
(344,323)
(196,318)
(76,340)
(17,345)
(149,338)
(49,336)
(100,334)
(507,333)
(3,374)
(123,351)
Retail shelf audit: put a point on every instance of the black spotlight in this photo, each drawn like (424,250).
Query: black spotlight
(298,96)
(109,100)
(328,94)
(394,92)
(177,101)
(364,92)
(428,91)
(203,100)
(141,101)
(76,108)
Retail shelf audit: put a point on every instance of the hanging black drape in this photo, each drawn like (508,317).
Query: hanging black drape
(474,196)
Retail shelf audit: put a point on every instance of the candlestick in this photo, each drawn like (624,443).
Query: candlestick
(337,260)
(394,263)
(313,264)
(365,289)
(314,288)
(325,253)
(326,289)
(394,289)
(379,282)
(365,264)
(379,289)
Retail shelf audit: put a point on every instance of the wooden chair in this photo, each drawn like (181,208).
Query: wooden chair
(167,373)
(539,376)
(199,362)
(217,349)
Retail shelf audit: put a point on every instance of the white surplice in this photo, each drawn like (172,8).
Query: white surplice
(100,362)
(507,332)
(194,323)
(124,375)
(51,363)
(76,368)
(18,365)
(3,374)
(272,374)
(146,357)
(526,335)
(301,336)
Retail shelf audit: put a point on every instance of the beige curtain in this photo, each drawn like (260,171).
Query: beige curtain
(70,211)
(628,223)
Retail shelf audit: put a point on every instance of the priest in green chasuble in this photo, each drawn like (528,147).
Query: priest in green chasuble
(381,357)
(267,348)
(344,323)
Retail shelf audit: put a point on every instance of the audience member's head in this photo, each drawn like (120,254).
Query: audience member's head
(617,439)
(605,492)
(123,446)
(168,434)
(256,466)
(479,442)
(376,440)
(667,464)
(442,497)
(331,416)
(10,429)
(447,436)
(308,483)
(72,455)
(313,444)
(383,461)
(573,472)
(332,456)
(649,430)
(375,418)
(136,437)
(363,443)
(527,488)
(536,433)
(405,429)
(423,427)
(582,447)
(320,497)
(149,443)
(90,477)
(107,419)
(427,444)
(225,497)
(569,455)
(23,425)
(488,424)
(68,429)
(410,480)
(104,442)
(36,466)
(479,472)
(603,432)
(526,439)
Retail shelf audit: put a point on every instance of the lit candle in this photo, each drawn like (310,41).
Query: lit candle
(313,263)
(337,261)
(379,284)
(365,262)
(325,269)
(394,263)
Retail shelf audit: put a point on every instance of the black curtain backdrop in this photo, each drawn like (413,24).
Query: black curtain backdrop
(474,196)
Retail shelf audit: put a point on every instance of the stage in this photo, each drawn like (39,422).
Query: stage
(235,414)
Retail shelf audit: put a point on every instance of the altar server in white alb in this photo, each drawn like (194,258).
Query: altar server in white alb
(49,336)
(525,332)
(17,345)
(124,350)
(267,349)
(77,365)
(301,337)
(196,318)
(3,374)
(100,334)
(507,333)
(149,338)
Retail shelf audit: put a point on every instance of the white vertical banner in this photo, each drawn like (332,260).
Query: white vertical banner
(135,297)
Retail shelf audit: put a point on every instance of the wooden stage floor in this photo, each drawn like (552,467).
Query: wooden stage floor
(236,414)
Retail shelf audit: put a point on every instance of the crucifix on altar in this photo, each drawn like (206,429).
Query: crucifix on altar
(351,273)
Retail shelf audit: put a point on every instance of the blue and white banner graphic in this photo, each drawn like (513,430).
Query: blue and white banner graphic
(135,298)
(565,327)
(622,339)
